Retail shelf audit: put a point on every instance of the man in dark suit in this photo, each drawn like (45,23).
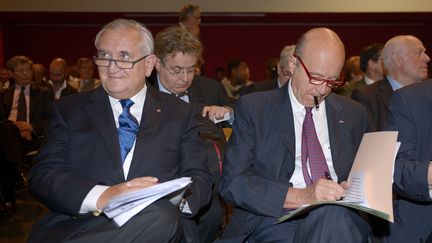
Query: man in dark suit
(85,160)
(37,98)
(178,53)
(371,64)
(58,73)
(265,172)
(411,115)
(25,109)
(283,74)
(405,59)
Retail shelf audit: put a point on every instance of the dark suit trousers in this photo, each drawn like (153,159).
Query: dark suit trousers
(159,222)
(324,224)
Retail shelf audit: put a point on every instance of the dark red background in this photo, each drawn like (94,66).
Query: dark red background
(253,37)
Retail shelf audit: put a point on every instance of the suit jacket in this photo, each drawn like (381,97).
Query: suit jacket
(347,88)
(68,90)
(260,86)
(376,98)
(81,150)
(40,100)
(204,91)
(411,115)
(260,157)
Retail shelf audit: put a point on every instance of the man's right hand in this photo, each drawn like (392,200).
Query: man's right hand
(322,190)
(128,186)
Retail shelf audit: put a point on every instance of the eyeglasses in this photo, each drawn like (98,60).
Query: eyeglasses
(178,72)
(318,80)
(104,62)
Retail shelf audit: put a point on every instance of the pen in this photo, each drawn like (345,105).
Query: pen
(316,102)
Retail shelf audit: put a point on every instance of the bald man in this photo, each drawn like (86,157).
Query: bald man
(406,62)
(265,179)
(58,73)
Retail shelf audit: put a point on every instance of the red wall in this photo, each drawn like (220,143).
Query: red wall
(250,37)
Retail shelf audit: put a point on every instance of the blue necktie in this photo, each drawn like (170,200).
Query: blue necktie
(128,128)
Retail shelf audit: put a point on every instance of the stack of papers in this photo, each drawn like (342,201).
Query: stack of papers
(123,207)
(371,178)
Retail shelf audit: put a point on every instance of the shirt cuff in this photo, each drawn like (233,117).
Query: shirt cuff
(184,207)
(90,201)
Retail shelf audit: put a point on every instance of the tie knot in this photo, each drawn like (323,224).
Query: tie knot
(182,94)
(127,103)
(308,110)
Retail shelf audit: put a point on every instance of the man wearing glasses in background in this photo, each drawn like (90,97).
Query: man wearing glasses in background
(178,52)
(113,140)
(293,146)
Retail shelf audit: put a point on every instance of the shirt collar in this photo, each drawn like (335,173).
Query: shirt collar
(368,80)
(297,107)
(161,87)
(138,99)
(394,84)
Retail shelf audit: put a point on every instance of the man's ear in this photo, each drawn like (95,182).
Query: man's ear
(292,62)
(158,64)
(150,63)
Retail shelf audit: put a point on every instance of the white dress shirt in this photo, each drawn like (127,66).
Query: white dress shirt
(14,109)
(320,121)
(89,203)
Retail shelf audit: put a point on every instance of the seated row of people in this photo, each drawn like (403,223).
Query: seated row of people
(153,120)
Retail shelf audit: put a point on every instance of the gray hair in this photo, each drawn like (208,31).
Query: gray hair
(286,52)
(147,44)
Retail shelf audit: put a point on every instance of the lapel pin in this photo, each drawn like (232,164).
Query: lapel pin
(158,110)
(341,121)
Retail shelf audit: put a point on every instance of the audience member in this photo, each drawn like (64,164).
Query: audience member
(271,68)
(86,80)
(190,18)
(266,168)
(219,74)
(86,160)
(371,63)
(178,52)
(238,76)
(24,108)
(58,73)
(283,74)
(411,115)
(26,104)
(39,75)
(351,73)
(4,79)
(405,60)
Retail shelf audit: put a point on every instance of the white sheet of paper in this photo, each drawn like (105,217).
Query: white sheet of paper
(225,118)
(372,175)
(355,192)
(125,206)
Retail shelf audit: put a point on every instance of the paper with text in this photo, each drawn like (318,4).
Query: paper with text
(371,178)
(123,207)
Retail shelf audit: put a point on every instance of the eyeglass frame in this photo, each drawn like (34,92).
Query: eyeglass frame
(132,63)
(182,70)
(318,81)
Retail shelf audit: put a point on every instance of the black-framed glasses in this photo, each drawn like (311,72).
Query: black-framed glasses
(318,80)
(178,72)
(122,64)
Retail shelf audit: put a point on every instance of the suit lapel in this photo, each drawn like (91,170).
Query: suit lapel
(101,113)
(34,93)
(8,99)
(336,128)
(386,93)
(195,95)
(150,122)
(282,118)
